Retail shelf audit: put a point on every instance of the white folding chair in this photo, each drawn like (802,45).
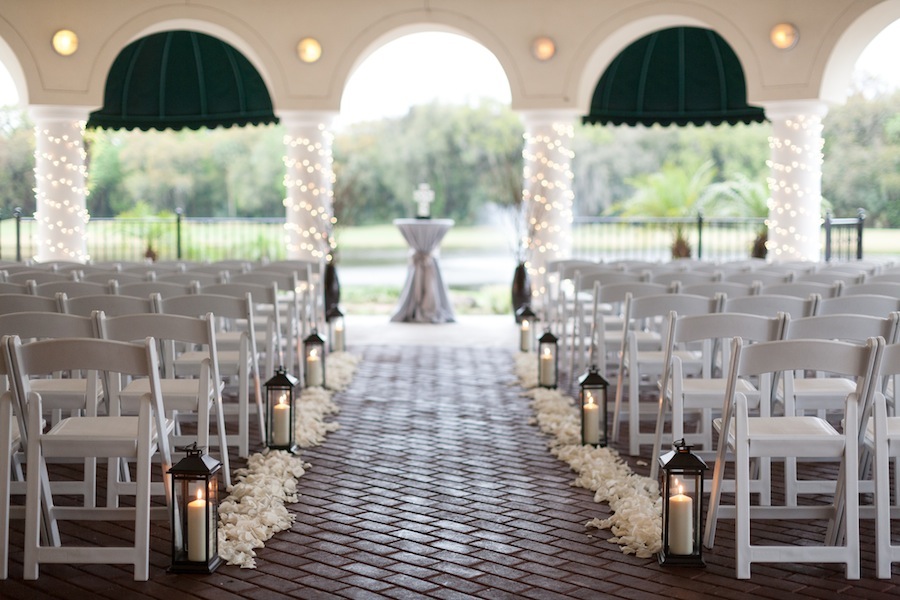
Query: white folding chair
(267,334)
(145,289)
(71,289)
(16,303)
(881,437)
(729,289)
(241,364)
(112,305)
(610,299)
(804,289)
(138,437)
(767,305)
(823,393)
(880,288)
(181,396)
(12,448)
(648,314)
(862,304)
(682,395)
(775,437)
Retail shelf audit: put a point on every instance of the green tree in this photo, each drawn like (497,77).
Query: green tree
(16,161)
(673,191)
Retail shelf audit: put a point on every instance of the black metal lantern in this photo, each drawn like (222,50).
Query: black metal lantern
(593,408)
(335,319)
(280,417)
(548,360)
(314,360)
(195,512)
(527,320)
(682,493)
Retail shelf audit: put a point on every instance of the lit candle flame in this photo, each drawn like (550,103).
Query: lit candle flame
(199,493)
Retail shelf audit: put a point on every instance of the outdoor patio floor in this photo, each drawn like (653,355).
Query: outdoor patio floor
(436,485)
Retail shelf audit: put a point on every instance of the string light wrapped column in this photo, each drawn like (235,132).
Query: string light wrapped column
(795,179)
(309,181)
(61,215)
(547,191)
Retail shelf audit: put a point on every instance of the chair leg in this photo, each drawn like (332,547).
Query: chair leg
(742,496)
(5,481)
(33,499)
(882,510)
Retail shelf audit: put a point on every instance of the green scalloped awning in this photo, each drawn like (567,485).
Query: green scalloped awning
(681,76)
(178,79)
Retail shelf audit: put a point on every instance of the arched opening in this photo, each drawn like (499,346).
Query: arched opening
(427,108)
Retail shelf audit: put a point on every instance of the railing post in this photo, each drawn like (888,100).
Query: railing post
(179,212)
(860,221)
(699,236)
(827,237)
(17,212)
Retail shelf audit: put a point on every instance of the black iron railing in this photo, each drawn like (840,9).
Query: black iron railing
(707,238)
(608,238)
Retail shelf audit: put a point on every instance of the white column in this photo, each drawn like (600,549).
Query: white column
(309,181)
(795,179)
(60,192)
(547,190)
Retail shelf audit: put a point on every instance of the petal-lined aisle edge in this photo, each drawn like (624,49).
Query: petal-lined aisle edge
(255,509)
(634,499)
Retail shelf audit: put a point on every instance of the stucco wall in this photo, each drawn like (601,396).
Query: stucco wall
(588,33)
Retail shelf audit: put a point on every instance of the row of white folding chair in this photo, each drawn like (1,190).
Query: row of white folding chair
(642,357)
(881,438)
(240,363)
(236,360)
(73,395)
(798,394)
(790,436)
(134,437)
(645,347)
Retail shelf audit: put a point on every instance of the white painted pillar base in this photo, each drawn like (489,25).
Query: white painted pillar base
(309,181)
(547,191)
(795,180)
(61,214)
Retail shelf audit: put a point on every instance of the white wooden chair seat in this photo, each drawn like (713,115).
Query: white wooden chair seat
(114,436)
(178,394)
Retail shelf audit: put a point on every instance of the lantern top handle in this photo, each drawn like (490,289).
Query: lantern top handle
(191,449)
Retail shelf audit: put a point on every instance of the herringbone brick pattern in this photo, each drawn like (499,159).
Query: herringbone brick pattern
(437,486)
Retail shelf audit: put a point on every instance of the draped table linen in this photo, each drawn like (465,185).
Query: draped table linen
(424,298)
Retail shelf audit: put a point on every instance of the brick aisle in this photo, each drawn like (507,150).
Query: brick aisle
(436,486)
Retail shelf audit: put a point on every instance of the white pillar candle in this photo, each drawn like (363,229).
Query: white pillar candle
(196,529)
(525,343)
(337,344)
(313,369)
(548,370)
(591,420)
(681,524)
(281,422)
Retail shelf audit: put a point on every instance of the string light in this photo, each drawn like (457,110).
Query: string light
(547,193)
(309,181)
(795,183)
(60,191)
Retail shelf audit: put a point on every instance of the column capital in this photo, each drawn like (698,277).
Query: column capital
(307,118)
(789,108)
(536,118)
(55,112)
